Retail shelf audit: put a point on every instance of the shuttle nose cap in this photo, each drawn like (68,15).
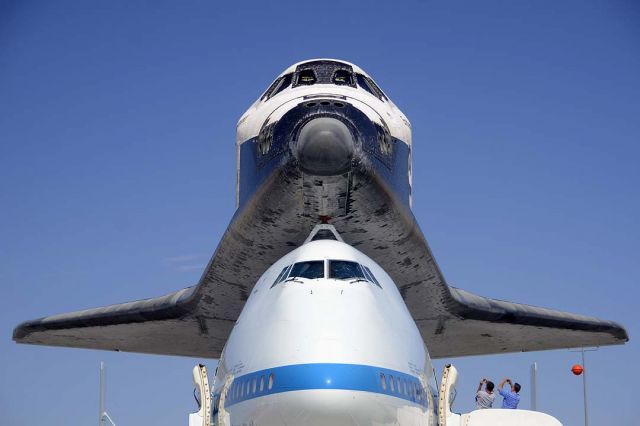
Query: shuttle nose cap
(325,147)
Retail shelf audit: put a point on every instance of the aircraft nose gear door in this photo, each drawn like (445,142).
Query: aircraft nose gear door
(202,395)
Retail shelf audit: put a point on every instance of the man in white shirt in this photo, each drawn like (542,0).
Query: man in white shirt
(485,398)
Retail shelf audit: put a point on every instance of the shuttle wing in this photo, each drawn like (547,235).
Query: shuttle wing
(196,321)
(162,325)
(476,325)
(454,322)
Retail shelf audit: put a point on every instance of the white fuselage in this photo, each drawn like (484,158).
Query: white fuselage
(324,350)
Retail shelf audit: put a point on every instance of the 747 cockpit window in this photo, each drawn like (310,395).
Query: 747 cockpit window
(338,270)
(310,270)
(282,275)
(370,275)
(344,270)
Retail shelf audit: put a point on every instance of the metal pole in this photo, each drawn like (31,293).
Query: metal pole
(584,380)
(584,389)
(534,386)
(102,385)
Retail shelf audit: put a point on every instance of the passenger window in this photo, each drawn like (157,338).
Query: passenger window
(399,385)
(391,384)
(310,270)
(306,77)
(344,270)
(270,381)
(342,78)
(261,383)
(253,385)
(383,381)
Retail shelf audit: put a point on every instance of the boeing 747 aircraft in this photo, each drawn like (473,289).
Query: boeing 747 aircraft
(323,291)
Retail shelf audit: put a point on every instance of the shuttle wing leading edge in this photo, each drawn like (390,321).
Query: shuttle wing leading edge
(479,325)
(162,325)
(454,322)
(196,321)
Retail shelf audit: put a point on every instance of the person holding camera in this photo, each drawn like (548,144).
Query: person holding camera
(511,398)
(485,398)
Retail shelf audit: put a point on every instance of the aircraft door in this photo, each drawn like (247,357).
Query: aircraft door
(447,396)
(202,394)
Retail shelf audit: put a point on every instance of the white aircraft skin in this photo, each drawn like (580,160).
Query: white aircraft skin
(324,351)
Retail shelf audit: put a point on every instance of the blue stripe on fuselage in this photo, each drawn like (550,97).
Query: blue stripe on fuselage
(299,377)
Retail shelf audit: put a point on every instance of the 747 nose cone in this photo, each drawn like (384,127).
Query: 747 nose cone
(324,147)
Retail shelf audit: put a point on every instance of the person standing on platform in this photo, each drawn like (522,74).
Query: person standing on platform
(485,398)
(511,397)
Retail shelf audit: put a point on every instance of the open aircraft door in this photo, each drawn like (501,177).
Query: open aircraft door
(202,393)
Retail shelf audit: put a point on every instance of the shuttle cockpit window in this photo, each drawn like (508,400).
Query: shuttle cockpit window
(363,84)
(271,88)
(306,77)
(342,78)
(285,82)
(371,87)
(278,86)
(324,72)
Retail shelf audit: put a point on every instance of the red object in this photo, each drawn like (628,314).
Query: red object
(577,369)
(325,219)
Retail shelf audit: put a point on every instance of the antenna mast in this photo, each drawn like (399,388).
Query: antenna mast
(103,417)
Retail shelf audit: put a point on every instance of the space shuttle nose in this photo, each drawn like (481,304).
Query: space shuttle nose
(325,147)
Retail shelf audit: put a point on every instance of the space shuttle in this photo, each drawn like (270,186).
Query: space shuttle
(323,296)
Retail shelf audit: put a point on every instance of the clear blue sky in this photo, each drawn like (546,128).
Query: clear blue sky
(117,171)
